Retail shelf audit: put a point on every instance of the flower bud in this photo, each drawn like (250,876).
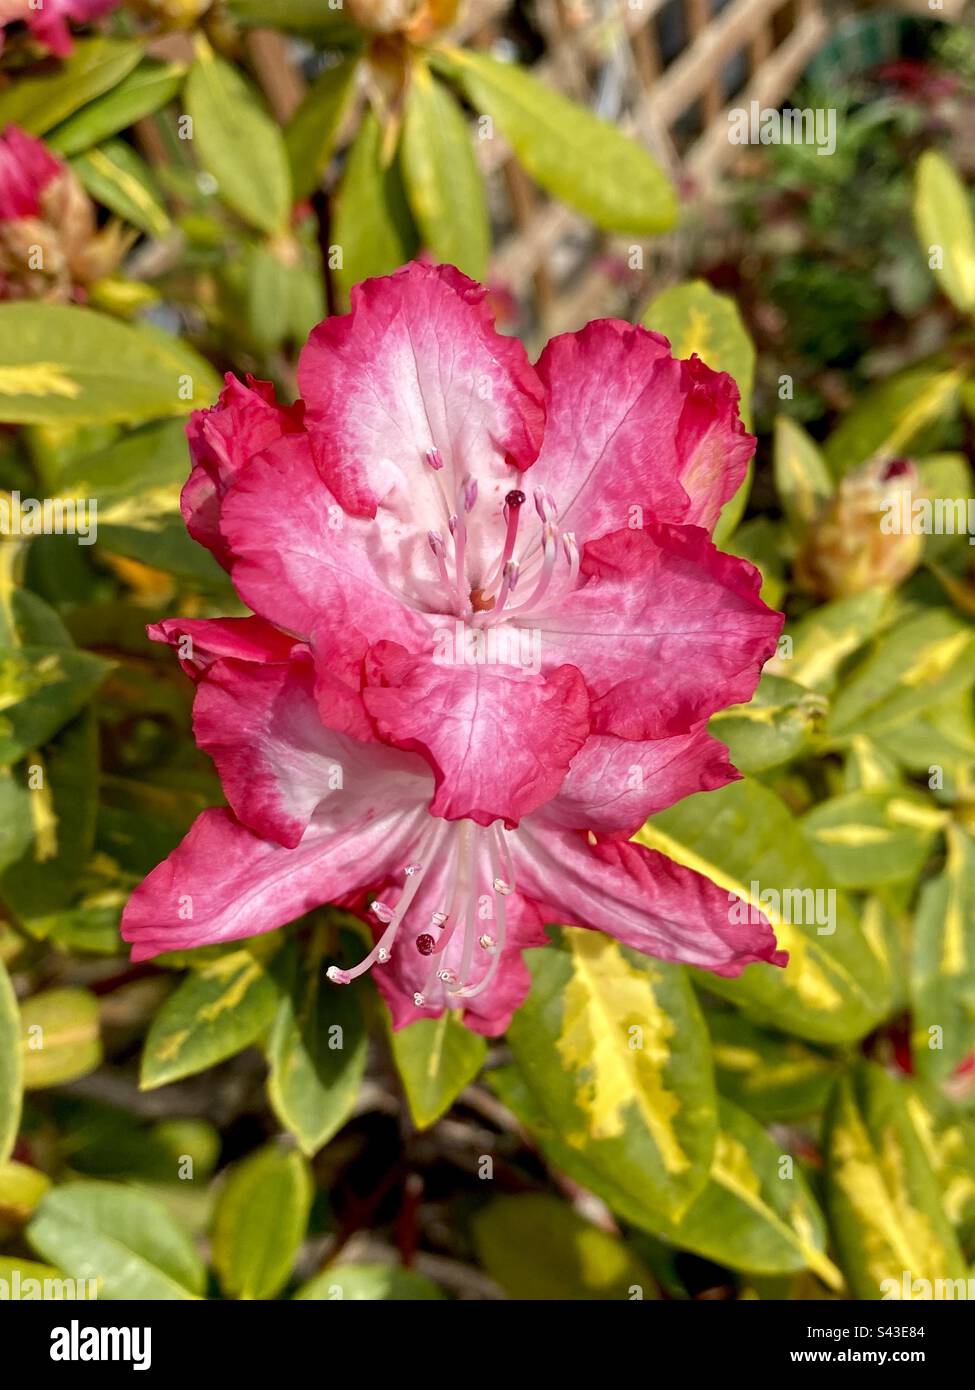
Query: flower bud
(846,550)
(50,245)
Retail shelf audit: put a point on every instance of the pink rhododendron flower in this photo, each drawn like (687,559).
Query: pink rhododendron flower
(48,21)
(507,687)
(27,168)
(50,245)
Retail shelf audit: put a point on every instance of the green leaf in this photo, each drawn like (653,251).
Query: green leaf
(569,1258)
(41,689)
(317,1053)
(324,17)
(11,1066)
(835,987)
(945,227)
(772,1077)
(50,1281)
(777,725)
(573,154)
(315,127)
(802,480)
(917,665)
(615,1047)
(443,183)
(260,1222)
(142,91)
(39,102)
(436,1058)
(882,1194)
(823,640)
(948,1140)
(866,838)
(16,816)
(213,1014)
(21,1188)
(45,878)
(890,416)
(64,364)
(747,1216)
(369,1283)
(136,478)
(120,1236)
(60,1037)
(942,974)
(238,143)
(372,222)
(118,178)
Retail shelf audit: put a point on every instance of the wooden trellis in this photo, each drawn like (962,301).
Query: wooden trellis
(666,71)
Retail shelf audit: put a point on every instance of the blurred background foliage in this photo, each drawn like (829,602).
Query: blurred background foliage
(187,1127)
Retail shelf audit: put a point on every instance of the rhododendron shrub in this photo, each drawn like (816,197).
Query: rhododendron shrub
(478,798)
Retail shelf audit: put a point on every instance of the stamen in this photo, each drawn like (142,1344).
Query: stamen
(434,459)
(393,917)
(549,555)
(436,543)
(459,532)
(513,503)
(498,850)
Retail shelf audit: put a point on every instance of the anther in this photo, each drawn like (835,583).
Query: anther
(337,976)
(383,912)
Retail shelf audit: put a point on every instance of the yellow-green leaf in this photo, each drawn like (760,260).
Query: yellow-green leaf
(943,214)
(372,228)
(65,364)
(577,157)
(260,1222)
(11,1065)
(436,1058)
(238,142)
(213,1014)
(883,1196)
(802,480)
(315,127)
(834,988)
(615,1047)
(537,1247)
(443,183)
(60,1037)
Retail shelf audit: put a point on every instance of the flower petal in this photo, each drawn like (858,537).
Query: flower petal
(713,445)
(639,897)
(302,562)
(418,366)
(613,403)
(279,764)
(201,641)
(665,629)
(223,882)
(222,439)
(499,740)
(615,784)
